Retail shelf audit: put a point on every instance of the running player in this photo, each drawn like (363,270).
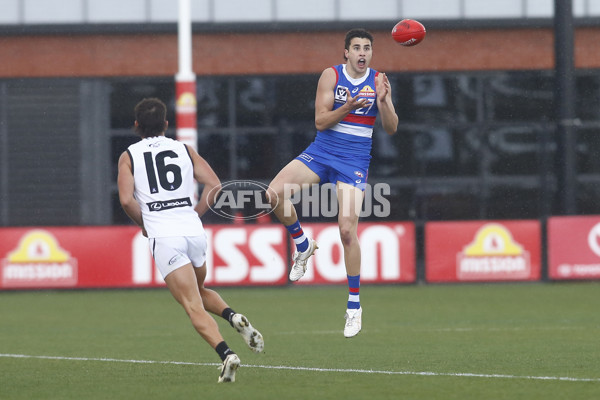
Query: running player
(349,98)
(156,188)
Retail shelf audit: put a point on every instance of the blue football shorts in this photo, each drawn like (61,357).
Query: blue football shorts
(331,169)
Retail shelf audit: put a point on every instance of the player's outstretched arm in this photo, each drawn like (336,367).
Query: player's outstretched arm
(204,174)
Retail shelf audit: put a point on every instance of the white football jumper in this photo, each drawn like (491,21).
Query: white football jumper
(163,175)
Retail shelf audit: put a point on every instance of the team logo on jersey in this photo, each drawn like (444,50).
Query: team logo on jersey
(367,91)
(359,174)
(168,204)
(340,93)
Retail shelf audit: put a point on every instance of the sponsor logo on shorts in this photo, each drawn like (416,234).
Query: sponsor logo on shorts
(174,259)
(305,157)
(169,204)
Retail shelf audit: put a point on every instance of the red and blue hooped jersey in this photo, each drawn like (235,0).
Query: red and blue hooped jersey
(351,137)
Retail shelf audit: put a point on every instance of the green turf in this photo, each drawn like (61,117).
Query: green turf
(519,331)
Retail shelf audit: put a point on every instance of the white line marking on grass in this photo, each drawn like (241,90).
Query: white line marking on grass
(332,332)
(507,329)
(312,369)
(108,360)
(456,330)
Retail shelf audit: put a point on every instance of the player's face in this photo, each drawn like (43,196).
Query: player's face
(359,55)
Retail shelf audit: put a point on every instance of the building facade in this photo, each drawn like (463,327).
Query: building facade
(477,137)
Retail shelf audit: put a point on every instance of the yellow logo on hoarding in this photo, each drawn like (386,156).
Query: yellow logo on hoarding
(38,246)
(493,239)
(38,261)
(493,254)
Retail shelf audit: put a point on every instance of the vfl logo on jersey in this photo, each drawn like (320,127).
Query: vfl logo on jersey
(169,204)
(340,94)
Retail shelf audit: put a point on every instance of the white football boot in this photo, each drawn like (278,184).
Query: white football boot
(353,322)
(251,336)
(300,260)
(229,367)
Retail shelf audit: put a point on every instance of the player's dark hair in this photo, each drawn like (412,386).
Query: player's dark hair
(151,116)
(356,33)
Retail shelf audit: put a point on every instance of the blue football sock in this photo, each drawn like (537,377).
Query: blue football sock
(298,236)
(353,292)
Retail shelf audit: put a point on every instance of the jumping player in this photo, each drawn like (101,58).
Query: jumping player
(156,188)
(349,98)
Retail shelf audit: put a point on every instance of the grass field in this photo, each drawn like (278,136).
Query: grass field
(465,341)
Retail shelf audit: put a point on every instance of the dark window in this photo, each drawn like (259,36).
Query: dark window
(125,94)
(519,97)
(469,145)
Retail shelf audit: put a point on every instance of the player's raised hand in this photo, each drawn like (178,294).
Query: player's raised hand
(382,86)
(354,102)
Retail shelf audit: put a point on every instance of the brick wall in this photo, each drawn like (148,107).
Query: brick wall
(283,53)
